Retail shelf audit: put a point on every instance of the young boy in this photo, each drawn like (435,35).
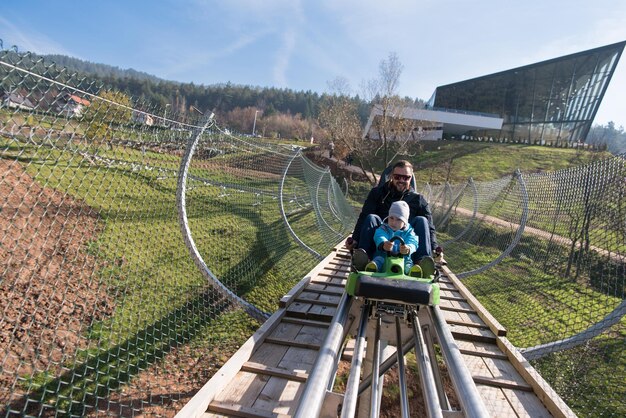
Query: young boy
(395,224)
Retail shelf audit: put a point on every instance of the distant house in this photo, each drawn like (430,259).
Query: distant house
(17,101)
(71,105)
(143,118)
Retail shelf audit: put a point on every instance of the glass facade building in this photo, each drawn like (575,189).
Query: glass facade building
(547,102)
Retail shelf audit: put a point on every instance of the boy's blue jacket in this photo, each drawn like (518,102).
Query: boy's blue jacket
(385,233)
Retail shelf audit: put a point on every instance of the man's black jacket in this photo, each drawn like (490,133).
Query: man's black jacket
(379,201)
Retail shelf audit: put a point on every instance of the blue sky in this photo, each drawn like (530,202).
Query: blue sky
(304,44)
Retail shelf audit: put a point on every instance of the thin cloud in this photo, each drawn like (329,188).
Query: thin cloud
(12,34)
(183,61)
(283,58)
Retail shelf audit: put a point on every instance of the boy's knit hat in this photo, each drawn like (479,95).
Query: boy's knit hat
(400,210)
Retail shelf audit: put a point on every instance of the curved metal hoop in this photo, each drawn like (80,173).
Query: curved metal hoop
(538,351)
(181,189)
(282,209)
(518,233)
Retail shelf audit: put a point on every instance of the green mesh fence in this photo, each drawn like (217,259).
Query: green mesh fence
(139,247)
(546,255)
(117,299)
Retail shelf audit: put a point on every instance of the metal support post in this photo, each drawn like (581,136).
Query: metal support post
(352,387)
(375,371)
(315,390)
(404,401)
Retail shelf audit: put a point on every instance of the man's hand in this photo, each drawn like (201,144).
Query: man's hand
(350,243)
(439,256)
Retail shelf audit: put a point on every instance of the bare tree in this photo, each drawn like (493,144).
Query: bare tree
(394,128)
(396,134)
(339,117)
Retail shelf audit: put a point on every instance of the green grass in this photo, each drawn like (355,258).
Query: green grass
(491,161)
(536,303)
(161,299)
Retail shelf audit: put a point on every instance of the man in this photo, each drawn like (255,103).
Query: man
(376,208)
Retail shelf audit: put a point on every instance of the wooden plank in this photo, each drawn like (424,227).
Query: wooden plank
(281,393)
(323,317)
(298,308)
(284,357)
(291,343)
(481,349)
(290,350)
(553,402)
(200,401)
(280,396)
(258,368)
(333,276)
(293,292)
(298,333)
(466,324)
(495,401)
(460,304)
(269,354)
(305,322)
(504,370)
(526,404)
(336,261)
(328,282)
(330,298)
(308,334)
(455,309)
(298,359)
(319,290)
(493,324)
(501,383)
(242,390)
(233,409)
(315,297)
(321,311)
(456,298)
(473,337)
(318,302)
(482,354)
(477,333)
(312,287)
(447,287)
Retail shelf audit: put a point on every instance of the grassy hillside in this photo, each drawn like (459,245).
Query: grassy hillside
(456,161)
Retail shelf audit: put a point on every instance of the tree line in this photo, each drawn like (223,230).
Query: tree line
(337,116)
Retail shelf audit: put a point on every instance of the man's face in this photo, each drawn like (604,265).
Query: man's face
(401,178)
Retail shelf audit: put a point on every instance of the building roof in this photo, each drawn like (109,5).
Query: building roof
(78,100)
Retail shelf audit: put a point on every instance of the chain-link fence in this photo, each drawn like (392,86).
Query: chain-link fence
(135,241)
(139,247)
(546,254)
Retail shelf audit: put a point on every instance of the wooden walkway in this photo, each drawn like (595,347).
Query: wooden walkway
(266,377)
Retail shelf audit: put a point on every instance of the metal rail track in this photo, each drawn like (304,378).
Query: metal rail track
(287,367)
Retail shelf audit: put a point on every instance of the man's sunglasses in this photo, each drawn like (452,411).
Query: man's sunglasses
(401,177)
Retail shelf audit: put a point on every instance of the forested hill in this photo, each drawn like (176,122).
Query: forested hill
(223,97)
(99,70)
(154,92)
